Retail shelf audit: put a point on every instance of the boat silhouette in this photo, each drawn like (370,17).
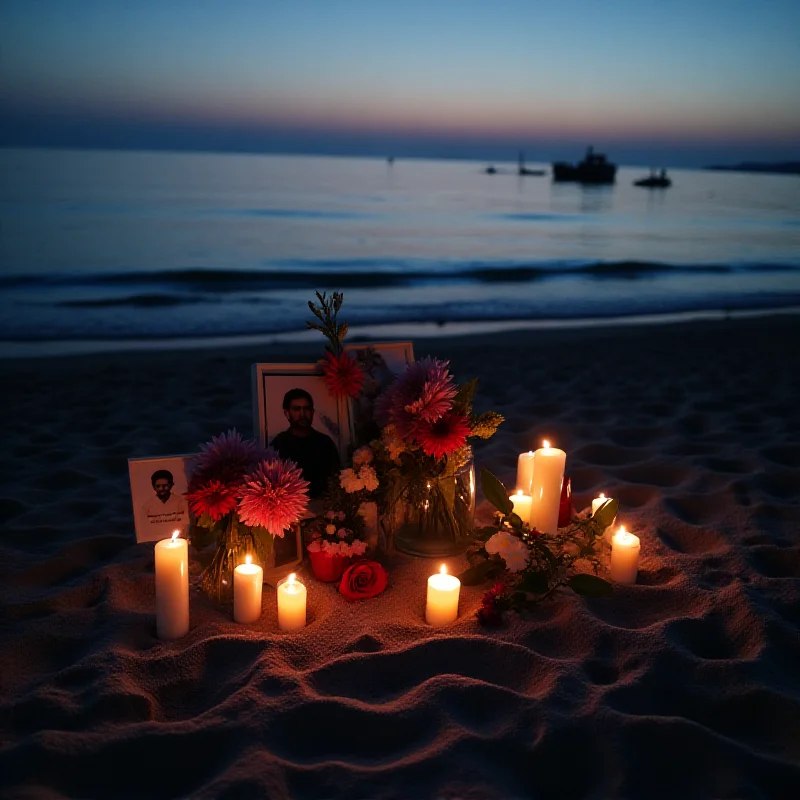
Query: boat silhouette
(595,168)
(660,181)
(523,170)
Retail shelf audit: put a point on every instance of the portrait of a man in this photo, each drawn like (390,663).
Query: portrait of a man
(158,487)
(312,450)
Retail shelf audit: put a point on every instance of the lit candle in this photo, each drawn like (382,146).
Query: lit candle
(172,587)
(598,501)
(525,472)
(624,556)
(291,604)
(248,579)
(548,472)
(522,505)
(609,531)
(442,604)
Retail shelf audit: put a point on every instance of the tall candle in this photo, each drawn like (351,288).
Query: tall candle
(291,604)
(522,505)
(548,472)
(525,472)
(248,580)
(172,587)
(441,607)
(624,556)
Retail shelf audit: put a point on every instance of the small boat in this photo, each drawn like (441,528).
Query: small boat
(490,170)
(660,181)
(523,170)
(595,168)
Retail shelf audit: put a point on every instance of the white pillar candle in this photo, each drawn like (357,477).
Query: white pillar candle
(525,472)
(522,505)
(248,580)
(291,604)
(608,533)
(598,501)
(624,556)
(172,587)
(548,473)
(441,607)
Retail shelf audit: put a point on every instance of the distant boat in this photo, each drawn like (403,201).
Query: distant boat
(490,170)
(595,168)
(523,170)
(660,181)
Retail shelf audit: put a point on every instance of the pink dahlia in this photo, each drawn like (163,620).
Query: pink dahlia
(445,436)
(227,458)
(273,495)
(213,498)
(422,394)
(342,375)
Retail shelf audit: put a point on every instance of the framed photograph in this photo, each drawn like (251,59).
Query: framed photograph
(381,363)
(294,413)
(158,488)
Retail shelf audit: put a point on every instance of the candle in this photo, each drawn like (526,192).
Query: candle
(291,604)
(522,505)
(525,472)
(609,531)
(548,472)
(624,556)
(172,587)
(441,607)
(248,579)
(598,501)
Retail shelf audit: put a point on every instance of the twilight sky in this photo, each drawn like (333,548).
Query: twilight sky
(680,82)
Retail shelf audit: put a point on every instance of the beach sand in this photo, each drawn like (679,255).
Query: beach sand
(686,684)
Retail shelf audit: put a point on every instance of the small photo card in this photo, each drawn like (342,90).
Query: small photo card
(158,489)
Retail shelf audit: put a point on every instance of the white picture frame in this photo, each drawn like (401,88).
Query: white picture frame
(396,355)
(155,518)
(270,382)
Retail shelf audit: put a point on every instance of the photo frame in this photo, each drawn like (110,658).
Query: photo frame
(156,519)
(158,489)
(395,355)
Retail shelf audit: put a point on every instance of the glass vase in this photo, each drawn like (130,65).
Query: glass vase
(434,517)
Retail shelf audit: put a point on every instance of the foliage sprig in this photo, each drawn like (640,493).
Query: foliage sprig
(326,312)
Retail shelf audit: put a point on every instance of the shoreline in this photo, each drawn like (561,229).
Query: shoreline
(402,331)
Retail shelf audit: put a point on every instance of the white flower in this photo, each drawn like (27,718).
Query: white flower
(349,481)
(513,551)
(369,478)
(499,542)
(362,456)
(517,559)
(358,547)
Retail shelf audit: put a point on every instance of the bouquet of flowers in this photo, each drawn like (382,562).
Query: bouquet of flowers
(242,497)
(529,566)
(413,436)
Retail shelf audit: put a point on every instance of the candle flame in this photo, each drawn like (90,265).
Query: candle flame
(175,535)
(602,496)
(291,580)
(622,530)
(248,559)
(443,570)
(546,444)
(518,493)
(530,453)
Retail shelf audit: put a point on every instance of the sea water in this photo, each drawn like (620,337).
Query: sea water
(103,245)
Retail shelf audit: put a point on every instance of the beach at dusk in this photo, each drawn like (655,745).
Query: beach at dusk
(402,400)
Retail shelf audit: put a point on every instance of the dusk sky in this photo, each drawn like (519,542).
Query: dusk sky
(683,82)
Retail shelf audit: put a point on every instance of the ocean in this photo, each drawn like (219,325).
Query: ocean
(103,248)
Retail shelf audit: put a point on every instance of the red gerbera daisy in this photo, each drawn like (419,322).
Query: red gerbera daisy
(213,498)
(445,436)
(273,496)
(342,375)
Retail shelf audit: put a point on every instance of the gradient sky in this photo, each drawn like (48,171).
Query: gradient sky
(686,81)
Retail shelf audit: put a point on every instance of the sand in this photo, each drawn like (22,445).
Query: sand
(686,684)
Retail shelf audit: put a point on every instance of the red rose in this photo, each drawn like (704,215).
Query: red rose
(362,580)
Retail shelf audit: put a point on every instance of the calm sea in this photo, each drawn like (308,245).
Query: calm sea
(98,246)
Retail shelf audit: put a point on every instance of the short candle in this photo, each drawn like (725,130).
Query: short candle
(172,587)
(525,472)
(598,501)
(248,580)
(291,604)
(624,556)
(522,505)
(442,604)
(548,473)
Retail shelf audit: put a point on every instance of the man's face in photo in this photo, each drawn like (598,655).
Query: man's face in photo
(300,414)
(163,489)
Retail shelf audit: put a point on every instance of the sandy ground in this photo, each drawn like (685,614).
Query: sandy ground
(685,684)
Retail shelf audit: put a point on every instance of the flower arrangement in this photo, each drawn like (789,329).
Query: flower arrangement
(414,453)
(529,566)
(242,496)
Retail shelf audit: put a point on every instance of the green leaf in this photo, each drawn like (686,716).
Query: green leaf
(534,582)
(480,573)
(205,521)
(483,534)
(547,553)
(201,536)
(495,492)
(515,521)
(590,585)
(466,394)
(265,538)
(604,516)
